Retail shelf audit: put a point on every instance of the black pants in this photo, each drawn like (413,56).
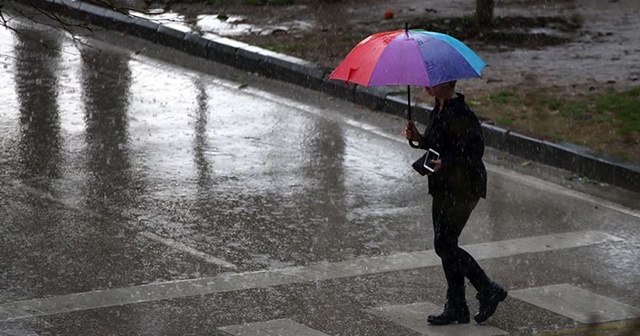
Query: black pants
(450,214)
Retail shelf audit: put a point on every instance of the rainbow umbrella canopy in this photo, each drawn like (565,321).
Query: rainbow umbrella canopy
(408,57)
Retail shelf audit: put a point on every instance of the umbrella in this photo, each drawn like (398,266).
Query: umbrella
(408,57)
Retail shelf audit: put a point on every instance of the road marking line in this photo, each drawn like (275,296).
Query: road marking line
(576,303)
(228,282)
(282,327)
(413,316)
(18,184)
(184,248)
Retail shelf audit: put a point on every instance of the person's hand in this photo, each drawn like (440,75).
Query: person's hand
(411,132)
(437,164)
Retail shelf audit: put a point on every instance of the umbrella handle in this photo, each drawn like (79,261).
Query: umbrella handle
(409,105)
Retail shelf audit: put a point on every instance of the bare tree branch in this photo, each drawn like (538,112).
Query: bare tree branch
(30,11)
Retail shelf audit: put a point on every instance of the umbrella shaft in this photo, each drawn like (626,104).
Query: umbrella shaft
(409,102)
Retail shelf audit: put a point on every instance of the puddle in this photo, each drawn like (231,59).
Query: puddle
(223,25)
(238,26)
(173,20)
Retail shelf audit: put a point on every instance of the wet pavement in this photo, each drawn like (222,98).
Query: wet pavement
(147,192)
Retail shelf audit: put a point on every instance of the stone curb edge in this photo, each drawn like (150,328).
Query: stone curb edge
(285,68)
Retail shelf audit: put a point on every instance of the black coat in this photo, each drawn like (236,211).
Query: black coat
(456,134)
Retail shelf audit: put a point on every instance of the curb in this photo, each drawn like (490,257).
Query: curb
(313,76)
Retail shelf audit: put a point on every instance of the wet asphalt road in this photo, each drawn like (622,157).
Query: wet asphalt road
(179,197)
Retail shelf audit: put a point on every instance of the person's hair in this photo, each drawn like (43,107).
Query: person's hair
(451,85)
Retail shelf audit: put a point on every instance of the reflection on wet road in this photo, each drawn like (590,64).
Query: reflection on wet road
(225,172)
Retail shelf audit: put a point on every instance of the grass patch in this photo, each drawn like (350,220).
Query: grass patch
(575,111)
(505,97)
(506,121)
(607,122)
(555,104)
(625,106)
(294,49)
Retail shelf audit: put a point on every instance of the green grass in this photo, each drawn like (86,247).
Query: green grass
(609,108)
(574,110)
(508,119)
(505,121)
(505,97)
(555,104)
(625,106)
(605,121)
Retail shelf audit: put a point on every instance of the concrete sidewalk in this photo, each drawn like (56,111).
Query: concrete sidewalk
(313,76)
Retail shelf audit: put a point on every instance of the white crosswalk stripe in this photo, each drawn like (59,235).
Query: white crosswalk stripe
(317,272)
(576,303)
(414,316)
(564,299)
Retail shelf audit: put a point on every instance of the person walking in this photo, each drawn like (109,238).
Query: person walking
(456,185)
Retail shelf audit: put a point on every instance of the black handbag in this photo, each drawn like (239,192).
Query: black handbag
(419,165)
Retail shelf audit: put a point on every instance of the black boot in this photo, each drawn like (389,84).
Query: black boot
(489,300)
(454,311)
